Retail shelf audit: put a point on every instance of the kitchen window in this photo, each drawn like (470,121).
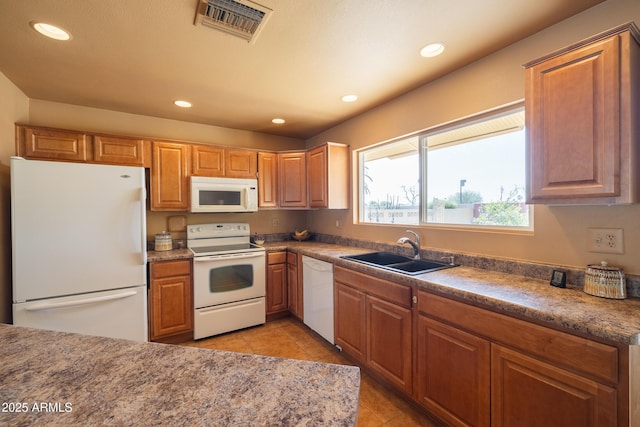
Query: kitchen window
(466,174)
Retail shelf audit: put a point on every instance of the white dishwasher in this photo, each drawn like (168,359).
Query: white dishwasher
(317,296)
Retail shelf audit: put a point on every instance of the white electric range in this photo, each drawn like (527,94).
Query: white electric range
(229,278)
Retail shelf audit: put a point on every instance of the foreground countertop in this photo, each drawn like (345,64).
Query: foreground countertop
(568,309)
(57,378)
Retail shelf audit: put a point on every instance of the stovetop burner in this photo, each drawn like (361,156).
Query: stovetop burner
(220,239)
(225,249)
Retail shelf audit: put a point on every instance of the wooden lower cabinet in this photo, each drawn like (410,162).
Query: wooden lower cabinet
(170,301)
(453,374)
(349,320)
(528,392)
(277,295)
(388,338)
(476,367)
(294,285)
(373,324)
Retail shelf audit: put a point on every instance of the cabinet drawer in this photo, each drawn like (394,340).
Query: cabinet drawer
(572,352)
(170,268)
(390,291)
(276,257)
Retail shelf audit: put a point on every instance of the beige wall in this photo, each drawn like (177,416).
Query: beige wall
(14,106)
(66,116)
(560,232)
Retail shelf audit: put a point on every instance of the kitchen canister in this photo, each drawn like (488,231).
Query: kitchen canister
(605,281)
(163,241)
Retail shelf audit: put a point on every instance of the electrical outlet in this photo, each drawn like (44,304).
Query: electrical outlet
(606,240)
(275,222)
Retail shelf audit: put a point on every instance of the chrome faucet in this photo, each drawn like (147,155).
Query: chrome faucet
(414,244)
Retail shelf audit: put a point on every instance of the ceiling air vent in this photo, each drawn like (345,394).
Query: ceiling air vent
(244,19)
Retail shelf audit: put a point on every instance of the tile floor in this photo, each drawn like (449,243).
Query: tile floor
(290,338)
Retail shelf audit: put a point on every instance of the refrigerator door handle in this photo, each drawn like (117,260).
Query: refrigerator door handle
(47,306)
(143,229)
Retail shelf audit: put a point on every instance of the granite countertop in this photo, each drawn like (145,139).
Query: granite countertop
(569,309)
(153,256)
(57,378)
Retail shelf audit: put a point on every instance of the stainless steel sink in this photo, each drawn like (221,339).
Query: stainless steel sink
(399,263)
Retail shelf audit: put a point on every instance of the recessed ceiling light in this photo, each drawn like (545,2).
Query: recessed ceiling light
(434,49)
(50,31)
(183,104)
(277,121)
(349,98)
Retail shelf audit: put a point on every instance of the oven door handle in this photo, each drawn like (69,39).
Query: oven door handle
(228,256)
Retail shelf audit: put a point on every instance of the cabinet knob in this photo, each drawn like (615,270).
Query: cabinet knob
(414,299)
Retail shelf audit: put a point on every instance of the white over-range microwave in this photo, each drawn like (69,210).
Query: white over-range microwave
(223,194)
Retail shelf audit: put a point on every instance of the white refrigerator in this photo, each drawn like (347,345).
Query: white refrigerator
(79,248)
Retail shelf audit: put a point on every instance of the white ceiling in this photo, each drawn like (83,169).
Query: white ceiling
(138,56)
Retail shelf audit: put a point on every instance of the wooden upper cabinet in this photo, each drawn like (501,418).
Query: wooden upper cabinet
(52,144)
(276,295)
(581,121)
(240,163)
(328,176)
(267,180)
(169,176)
(207,160)
(210,160)
(118,150)
(292,167)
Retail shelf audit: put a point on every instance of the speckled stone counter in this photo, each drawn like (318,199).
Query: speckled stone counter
(153,256)
(54,378)
(569,309)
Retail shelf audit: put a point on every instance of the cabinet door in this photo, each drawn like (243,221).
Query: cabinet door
(293,180)
(119,151)
(207,160)
(239,163)
(294,286)
(267,180)
(328,176)
(453,374)
(350,321)
(169,177)
(528,392)
(277,288)
(170,299)
(573,124)
(52,144)
(317,177)
(389,341)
